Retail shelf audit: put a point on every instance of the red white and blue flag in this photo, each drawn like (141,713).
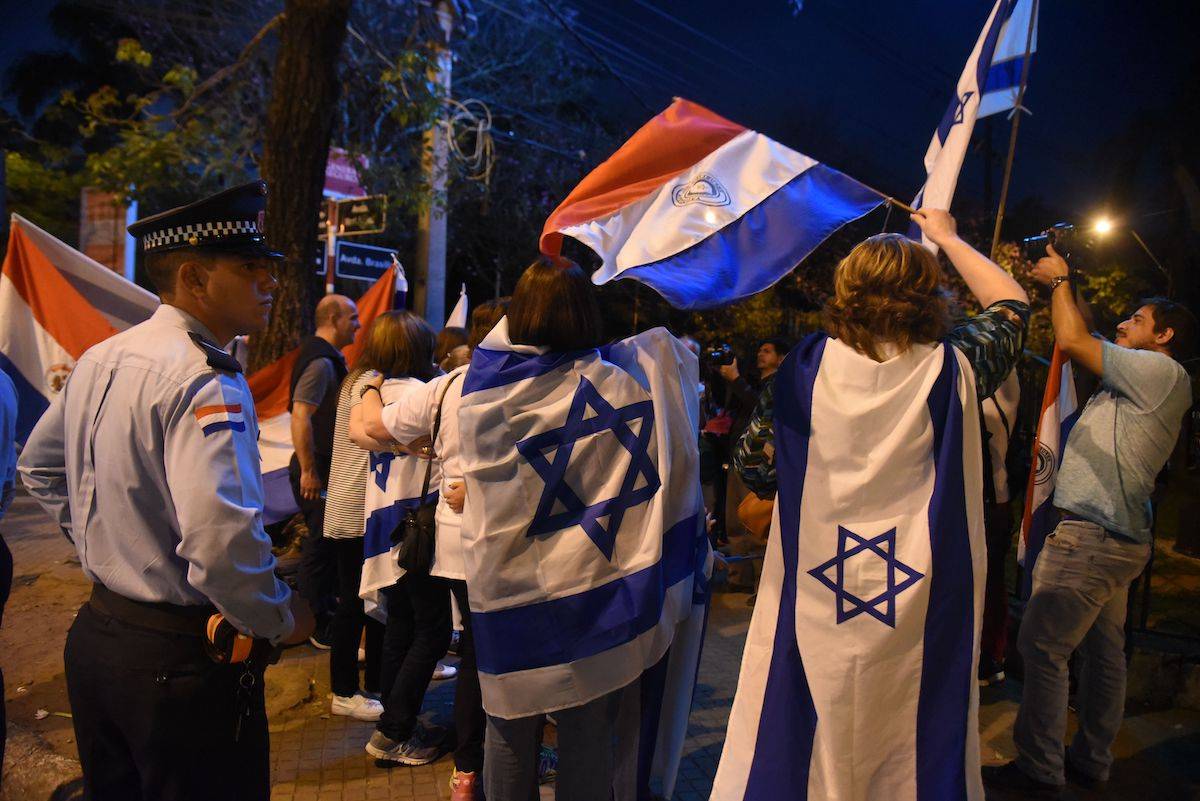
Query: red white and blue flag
(270,386)
(1060,410)
(55,303)
(704,210)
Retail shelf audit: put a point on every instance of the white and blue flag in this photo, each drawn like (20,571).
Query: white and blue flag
(583,532)
(858,678)
(989,84)
(394,482)
(1003,81)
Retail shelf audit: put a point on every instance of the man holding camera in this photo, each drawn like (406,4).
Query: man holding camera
(1081,581)
(743,399)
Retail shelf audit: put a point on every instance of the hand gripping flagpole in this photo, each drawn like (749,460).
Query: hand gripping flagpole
(1016,124)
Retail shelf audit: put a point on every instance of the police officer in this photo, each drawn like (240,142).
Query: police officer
(149,461)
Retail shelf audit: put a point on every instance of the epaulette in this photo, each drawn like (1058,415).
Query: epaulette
(216,357)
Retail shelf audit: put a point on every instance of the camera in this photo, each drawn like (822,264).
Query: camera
(1063,236)
(719,355)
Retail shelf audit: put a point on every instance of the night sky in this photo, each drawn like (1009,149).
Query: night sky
(861,84)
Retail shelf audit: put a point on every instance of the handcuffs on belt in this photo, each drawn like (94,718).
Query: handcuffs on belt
(225,645)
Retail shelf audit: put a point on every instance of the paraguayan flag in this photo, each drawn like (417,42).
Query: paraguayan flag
(1060,410)
(394,482)
(583,530)
(858,677)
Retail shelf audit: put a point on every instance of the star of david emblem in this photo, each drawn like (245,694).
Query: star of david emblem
(380,466)
(882,606)
(960,112)
(561,441)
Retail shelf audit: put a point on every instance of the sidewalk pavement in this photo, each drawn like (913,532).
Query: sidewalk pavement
(319,757)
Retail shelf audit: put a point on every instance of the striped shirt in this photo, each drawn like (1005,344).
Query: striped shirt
(345,497)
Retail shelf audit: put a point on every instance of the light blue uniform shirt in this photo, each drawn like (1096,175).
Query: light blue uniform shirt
(1122,440)
(149,461)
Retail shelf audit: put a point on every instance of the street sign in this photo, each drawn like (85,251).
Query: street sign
(356,216)
(362,215)
(341,173)
(323,218)
(361,262)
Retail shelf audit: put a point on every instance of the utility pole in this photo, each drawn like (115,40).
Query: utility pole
(429,296)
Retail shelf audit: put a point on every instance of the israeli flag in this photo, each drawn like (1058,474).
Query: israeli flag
(394,484)
(583,532)
(1003,81)
(858,677)
(989,84)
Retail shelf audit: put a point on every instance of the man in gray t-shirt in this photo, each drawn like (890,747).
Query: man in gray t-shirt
(1123,439)
(1082,576)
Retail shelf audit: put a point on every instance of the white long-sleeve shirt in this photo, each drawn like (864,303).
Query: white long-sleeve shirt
(411,417)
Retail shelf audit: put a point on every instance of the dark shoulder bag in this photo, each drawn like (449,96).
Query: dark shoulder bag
(417,532)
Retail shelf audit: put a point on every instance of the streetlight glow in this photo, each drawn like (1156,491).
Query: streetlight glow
(1103,226)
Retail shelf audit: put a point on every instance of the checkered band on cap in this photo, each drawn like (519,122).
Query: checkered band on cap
(202,233)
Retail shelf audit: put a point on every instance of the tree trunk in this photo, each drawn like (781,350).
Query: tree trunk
(300,117)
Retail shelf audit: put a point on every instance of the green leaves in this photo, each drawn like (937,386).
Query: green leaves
(130,51)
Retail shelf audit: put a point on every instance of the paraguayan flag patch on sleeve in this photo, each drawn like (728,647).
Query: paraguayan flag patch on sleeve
(220,417)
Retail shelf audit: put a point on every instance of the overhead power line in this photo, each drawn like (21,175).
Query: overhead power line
(602,61)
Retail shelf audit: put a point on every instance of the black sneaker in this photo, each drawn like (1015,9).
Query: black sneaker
(1009,777)
(321,638)
(991,671)
(1080,779)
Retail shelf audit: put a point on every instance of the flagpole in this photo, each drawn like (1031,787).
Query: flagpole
(1012,137)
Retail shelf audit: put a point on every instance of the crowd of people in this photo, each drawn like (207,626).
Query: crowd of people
(884,434)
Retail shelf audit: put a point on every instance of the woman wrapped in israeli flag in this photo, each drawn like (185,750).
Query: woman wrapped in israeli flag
(415,606)
(583,534)
(858,677)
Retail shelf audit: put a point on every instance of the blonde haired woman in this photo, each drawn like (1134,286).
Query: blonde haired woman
(858,677)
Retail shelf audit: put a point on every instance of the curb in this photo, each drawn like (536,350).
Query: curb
(33,772)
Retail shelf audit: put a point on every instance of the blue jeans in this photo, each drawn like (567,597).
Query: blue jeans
(1080,590)
(586,753)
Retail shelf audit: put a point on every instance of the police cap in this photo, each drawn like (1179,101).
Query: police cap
(228,221)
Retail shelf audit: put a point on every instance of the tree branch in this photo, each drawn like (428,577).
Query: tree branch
(228,70)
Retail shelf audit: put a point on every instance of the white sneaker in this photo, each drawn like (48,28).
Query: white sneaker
(356,706)
(444,672)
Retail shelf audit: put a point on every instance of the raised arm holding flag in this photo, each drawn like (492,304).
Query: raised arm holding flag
(858,680)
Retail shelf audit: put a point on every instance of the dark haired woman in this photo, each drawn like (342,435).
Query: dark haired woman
(858,679)
(416,605)
(582,531)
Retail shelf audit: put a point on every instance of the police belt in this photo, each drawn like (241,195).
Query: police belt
(156,616)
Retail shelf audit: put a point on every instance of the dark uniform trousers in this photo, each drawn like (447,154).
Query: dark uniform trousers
(156,719)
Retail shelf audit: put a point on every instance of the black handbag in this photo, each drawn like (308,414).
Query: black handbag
(417,532)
